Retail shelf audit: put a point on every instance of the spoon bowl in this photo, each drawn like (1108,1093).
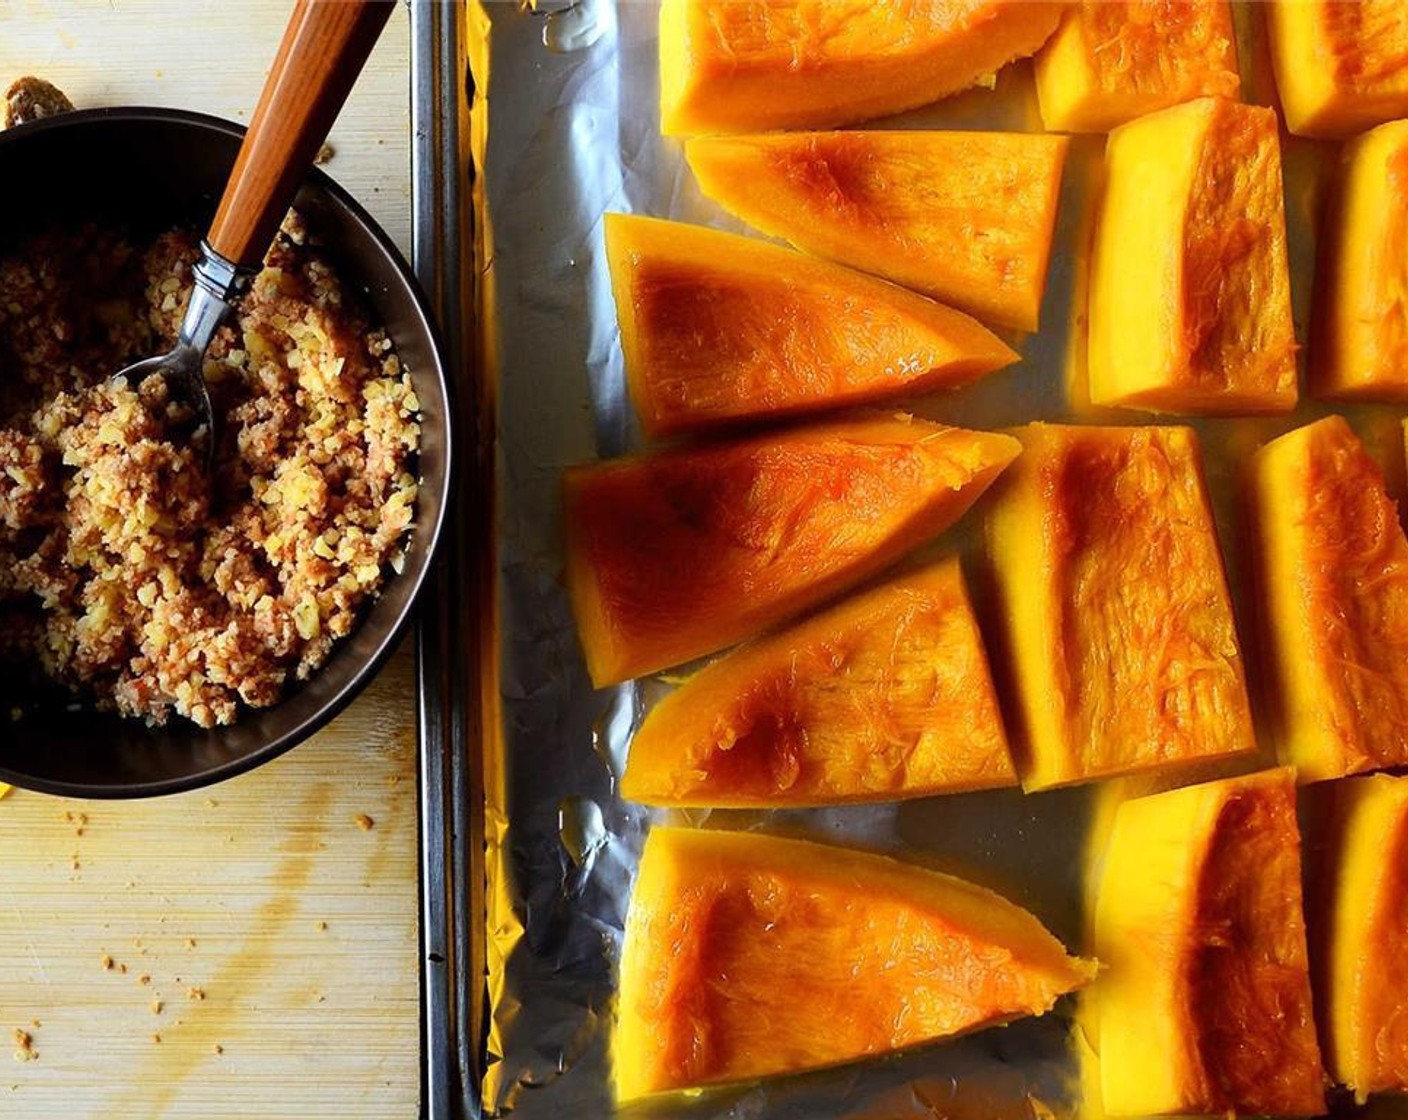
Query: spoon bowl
(48,177)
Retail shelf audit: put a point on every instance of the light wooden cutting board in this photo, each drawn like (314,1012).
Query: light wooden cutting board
(249,950)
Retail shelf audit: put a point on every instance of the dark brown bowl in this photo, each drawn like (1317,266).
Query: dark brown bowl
(152,168)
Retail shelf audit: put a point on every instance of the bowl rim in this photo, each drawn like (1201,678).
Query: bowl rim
(372,664)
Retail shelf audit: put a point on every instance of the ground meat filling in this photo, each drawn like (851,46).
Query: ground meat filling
(129,574)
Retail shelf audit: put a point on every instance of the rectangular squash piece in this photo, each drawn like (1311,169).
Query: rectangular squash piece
(1111,62)
(748,956)
(1332,575)
(719,329)
(963,217)
(1360,349)
(885,696)
(677,554)
(1364,998)
(1341,65)
(1204,1003)
(758,65)
(1190,295)
(1116,616)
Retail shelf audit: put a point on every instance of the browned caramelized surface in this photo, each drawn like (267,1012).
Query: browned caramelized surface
(1147,651)
(1175,48)
(1368,43)
(1237,330)
(1249,982)
(1356,587)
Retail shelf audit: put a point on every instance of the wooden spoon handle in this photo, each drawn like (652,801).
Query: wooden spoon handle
(324,49)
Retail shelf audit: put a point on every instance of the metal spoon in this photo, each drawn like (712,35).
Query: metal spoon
(324,48)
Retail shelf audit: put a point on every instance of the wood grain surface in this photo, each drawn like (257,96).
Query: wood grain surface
(259,929)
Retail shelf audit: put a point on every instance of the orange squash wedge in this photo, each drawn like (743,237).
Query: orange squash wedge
(1332,566)
(1360,347)
(1190,286)
(1362,968)
(1341,65)
(718,328)
(886,696)
(674,555)
(757,65)
(1117,617)
(748,956)
(964,217)
(1111,62)
(1205,1003)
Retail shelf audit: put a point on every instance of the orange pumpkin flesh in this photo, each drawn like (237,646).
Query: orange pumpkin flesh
(1111,62)
(1123,652)
(1205,1006)
(964,217)
(1198,320)
(1359,348)
(885,696)
(1332,562)
(1341,65)
(719,328)
(1362,928)
(757,65)
(748,956)
(675,555)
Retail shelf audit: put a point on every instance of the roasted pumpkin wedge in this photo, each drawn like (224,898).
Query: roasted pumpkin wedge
(757,65)
(964,217)
(1360,347)
(1190,292)
(1332,563)
(1111,62)
(1341,65)
(747,956)
(1364,973)
(719,328)
(674,555)
(1204,1005)
(1117,618)
(886,696)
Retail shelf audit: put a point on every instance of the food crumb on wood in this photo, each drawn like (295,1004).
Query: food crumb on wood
(157,1005)
(24,1046)
(122,968)
(156,1037)
(73,862)
(144,979)
(107,963)
(190,943)
(32,99)
(320,926)
(364,822)
(211,803)
(218,1048)
(325,153)
(195,993)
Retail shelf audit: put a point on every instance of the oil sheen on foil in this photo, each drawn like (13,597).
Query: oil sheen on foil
(567,127)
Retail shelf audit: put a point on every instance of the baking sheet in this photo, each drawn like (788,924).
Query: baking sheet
(567,126)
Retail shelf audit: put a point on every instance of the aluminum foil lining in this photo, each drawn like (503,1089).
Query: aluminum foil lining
(568,124)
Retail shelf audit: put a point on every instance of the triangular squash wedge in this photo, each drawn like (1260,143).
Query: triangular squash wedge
(1205,1004)
(748,956)
(885,696)
(719,328)
(1332,562)
(757,65)
(964,217)
(674,555)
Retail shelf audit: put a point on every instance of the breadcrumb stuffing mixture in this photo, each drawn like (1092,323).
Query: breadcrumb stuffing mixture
(129,574)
